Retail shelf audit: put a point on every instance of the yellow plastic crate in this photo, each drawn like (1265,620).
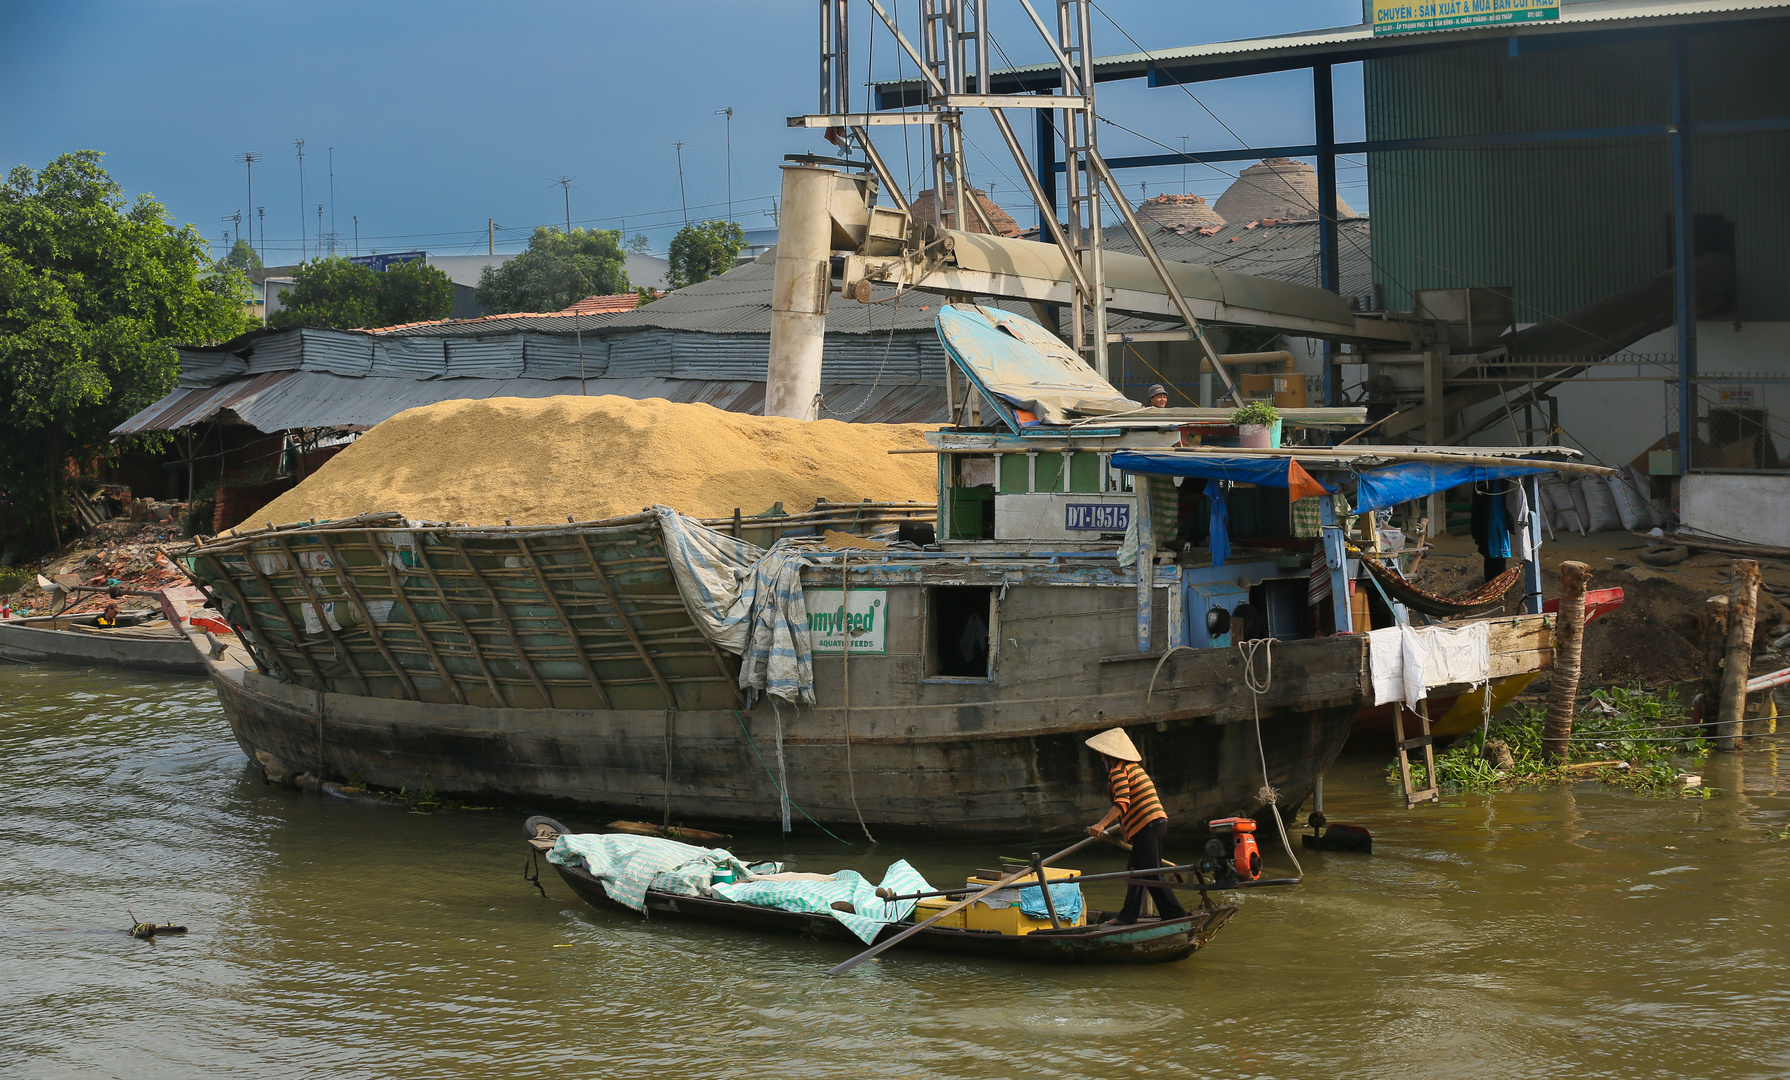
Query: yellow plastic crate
(999,912)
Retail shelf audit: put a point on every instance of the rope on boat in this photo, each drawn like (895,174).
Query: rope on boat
(851,777)
(1258,687)
(780,789)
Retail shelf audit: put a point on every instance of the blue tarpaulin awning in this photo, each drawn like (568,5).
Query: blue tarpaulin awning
(1243,468)
(1379,488)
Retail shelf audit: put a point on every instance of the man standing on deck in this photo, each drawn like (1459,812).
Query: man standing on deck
(1142,819)
(1158,396)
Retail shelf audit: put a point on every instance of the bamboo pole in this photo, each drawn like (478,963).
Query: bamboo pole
(1714,624)
(889,943)
(621,617)
(354,594)
(565,619)
(1743,600)
(1569,640)
(509,625)
(298,639)
(323,618)
(472,643)
(416,619)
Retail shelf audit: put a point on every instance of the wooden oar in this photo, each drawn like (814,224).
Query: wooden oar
(1024,871)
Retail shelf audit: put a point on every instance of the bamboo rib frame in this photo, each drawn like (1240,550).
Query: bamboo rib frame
(575,616)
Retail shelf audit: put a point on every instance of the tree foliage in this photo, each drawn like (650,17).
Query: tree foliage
(242,257)
(95,292)
(703,251)
(558,270)
(336,293)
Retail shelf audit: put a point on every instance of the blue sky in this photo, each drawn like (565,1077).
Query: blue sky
(444,114)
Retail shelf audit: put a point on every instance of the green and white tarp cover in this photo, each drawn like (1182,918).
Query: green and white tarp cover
(629,866)
(818,897)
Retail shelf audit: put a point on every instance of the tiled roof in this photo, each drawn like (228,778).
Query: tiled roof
(603,305)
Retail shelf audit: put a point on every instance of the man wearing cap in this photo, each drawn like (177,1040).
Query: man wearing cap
(1158,396)
(1142,820)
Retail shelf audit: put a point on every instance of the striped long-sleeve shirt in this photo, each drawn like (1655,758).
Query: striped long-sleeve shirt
(1135,795)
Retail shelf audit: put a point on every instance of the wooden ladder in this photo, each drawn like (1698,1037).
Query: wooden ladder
(1405,746)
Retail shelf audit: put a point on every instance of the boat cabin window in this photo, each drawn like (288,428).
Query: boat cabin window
(957,636)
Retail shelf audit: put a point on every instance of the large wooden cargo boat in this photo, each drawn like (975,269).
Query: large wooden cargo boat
(581,665)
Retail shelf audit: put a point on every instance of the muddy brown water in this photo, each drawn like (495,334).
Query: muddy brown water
(1569,932)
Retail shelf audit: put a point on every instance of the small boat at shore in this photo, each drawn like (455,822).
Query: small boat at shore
(1148,942)
(146,645)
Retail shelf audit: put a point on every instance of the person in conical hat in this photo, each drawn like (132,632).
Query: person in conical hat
(1141,819)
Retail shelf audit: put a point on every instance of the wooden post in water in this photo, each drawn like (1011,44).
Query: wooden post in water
(1569,641)
(1715,646)
(1743,600)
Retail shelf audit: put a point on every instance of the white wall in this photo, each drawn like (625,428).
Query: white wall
(1750,507)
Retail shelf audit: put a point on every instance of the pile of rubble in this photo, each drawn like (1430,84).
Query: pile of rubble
(114,552)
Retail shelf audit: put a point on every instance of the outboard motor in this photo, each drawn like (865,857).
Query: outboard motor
(1232,849)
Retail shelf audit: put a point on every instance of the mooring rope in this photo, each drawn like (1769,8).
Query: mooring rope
(1258,687)
(781,790)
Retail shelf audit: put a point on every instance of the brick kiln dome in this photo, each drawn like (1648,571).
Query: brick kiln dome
(1275,188)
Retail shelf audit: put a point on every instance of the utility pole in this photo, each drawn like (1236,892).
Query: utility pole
(261,216)
(320,232)
(491,236)
(565,183)
(1183,164)
(728,112)
(357,234)
(300,143)
(682,200)
(236,219)
(248,158)
(333,234)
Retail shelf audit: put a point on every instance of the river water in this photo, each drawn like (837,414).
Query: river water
(1568,932)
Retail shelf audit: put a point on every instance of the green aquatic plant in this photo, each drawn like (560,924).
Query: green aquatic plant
(1628,737)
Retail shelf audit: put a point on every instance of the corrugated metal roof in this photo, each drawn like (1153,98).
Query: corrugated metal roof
(285,400)
(186,405)
(1359,42)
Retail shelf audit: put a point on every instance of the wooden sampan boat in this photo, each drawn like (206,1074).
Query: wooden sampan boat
(1154,942)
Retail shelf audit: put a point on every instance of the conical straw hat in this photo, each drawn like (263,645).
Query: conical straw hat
(1114,743)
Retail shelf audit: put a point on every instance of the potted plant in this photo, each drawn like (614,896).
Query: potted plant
(1255,424)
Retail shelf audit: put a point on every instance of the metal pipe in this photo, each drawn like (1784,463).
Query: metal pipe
(799,292)
(1684,282)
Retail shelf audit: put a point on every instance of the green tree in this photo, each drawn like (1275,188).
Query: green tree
(640,245)
(336,293)
(700,252)
(414,292)
(242,257)
(558,270)
(95,293)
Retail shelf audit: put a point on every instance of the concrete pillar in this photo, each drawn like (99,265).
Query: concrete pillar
(799,292)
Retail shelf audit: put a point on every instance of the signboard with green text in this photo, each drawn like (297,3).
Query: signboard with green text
(1404,18)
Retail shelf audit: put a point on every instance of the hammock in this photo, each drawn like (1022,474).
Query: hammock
(1480,600)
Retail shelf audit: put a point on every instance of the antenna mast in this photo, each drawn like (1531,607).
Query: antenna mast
(248,159)
(300,143)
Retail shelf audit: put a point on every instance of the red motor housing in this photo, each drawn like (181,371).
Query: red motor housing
(1246,858)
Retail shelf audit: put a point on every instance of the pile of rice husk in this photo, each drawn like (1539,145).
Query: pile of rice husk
(536,461)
